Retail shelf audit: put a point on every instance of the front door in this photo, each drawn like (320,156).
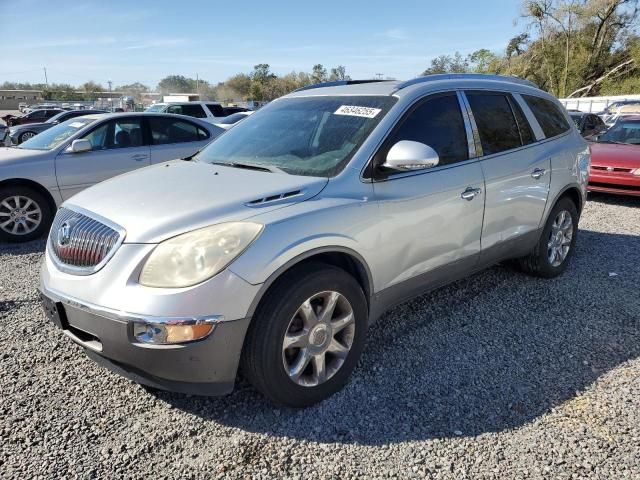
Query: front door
(431,220)
(118,146)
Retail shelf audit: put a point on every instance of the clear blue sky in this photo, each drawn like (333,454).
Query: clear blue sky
(143,40)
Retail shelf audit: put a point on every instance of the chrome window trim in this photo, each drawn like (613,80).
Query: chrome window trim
(84,271)
(474,125)
(469,125)
(531,118)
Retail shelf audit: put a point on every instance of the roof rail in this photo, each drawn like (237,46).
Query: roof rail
(462,76)
(337,83)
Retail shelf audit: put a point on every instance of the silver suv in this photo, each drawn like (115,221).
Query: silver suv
(278,245)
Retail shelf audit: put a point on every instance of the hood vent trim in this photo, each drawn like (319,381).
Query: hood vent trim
(271,199)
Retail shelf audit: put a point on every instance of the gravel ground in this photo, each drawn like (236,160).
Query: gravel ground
(499,375)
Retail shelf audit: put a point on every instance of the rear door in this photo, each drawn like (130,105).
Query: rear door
(118,146)
(174,138)
(517,174)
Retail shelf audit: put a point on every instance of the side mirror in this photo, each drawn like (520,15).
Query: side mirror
(409,155)
(79,146)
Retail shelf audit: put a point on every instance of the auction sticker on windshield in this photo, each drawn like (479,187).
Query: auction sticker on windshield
(77,124)
(355,111)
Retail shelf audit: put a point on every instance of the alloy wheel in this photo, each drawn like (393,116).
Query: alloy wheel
(27,135)
(560,238)
(19,215)
(318,339)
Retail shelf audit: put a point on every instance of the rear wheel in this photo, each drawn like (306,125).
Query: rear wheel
(24,214)
(556,245)
(307,336)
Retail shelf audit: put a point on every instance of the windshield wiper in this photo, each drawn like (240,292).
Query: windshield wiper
(251,166)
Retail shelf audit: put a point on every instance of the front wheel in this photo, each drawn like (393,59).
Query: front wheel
(24,214)
(555,248)
(307,336)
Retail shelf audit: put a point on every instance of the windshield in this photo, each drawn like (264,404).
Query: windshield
(56,117)
(624,131)
(576,117)
(312,136)
(156,108)
(54,136)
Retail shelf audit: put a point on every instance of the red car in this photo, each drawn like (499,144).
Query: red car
(37,116)
(615,159)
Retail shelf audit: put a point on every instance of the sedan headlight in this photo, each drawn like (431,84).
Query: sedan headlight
(194,257)
(637,172)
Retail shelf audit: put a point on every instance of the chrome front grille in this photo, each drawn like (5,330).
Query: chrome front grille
(80,244)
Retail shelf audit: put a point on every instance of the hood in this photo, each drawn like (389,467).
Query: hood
(13,155)
(26,126)
(615,155)
(159,202)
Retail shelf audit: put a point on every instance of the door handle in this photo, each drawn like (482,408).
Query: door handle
(538,173)
(139,157)
(470,193)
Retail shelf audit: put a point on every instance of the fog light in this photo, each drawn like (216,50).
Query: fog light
(168,333)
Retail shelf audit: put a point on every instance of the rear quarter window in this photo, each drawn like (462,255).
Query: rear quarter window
(549,116)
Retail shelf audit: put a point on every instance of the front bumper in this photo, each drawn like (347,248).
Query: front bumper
(621,183)
(202,367)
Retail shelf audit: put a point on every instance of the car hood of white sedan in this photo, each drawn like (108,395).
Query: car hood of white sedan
(165,200)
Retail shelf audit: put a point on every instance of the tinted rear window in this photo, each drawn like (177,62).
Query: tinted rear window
(548,114)
(495,120)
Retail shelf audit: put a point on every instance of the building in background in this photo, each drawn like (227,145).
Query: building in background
(10,99)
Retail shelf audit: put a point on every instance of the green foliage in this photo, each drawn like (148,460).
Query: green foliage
(570,48)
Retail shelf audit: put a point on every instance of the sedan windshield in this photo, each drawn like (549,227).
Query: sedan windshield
(624,131)
(54,136)
(311,136)
(577,118)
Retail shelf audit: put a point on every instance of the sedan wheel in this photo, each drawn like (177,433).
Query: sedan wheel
(26,136)
(318,339)
(19,215)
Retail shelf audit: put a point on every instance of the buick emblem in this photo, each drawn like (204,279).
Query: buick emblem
(610,169)
(64,233)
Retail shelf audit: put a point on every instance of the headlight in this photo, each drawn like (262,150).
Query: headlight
(196,256)
(637,172)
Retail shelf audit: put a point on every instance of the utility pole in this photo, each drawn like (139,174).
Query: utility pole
(46,81)
(379,76)
(198,86)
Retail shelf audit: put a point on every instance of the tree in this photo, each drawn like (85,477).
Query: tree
(483,61)
(240,83)
(319,74)
(339,73)
(176,84)
(448,64)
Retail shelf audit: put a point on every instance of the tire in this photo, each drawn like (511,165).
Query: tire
(267,364)
(539,262)
(24,136)
(28,229)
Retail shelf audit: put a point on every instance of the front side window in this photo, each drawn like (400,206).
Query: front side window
(548,114)
(495,121)
(156,108)
(312,136)
(436,122)
(168,130)
(121,133)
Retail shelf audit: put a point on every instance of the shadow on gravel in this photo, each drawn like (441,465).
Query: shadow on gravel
(487,354)
(34,246)
(609,199)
